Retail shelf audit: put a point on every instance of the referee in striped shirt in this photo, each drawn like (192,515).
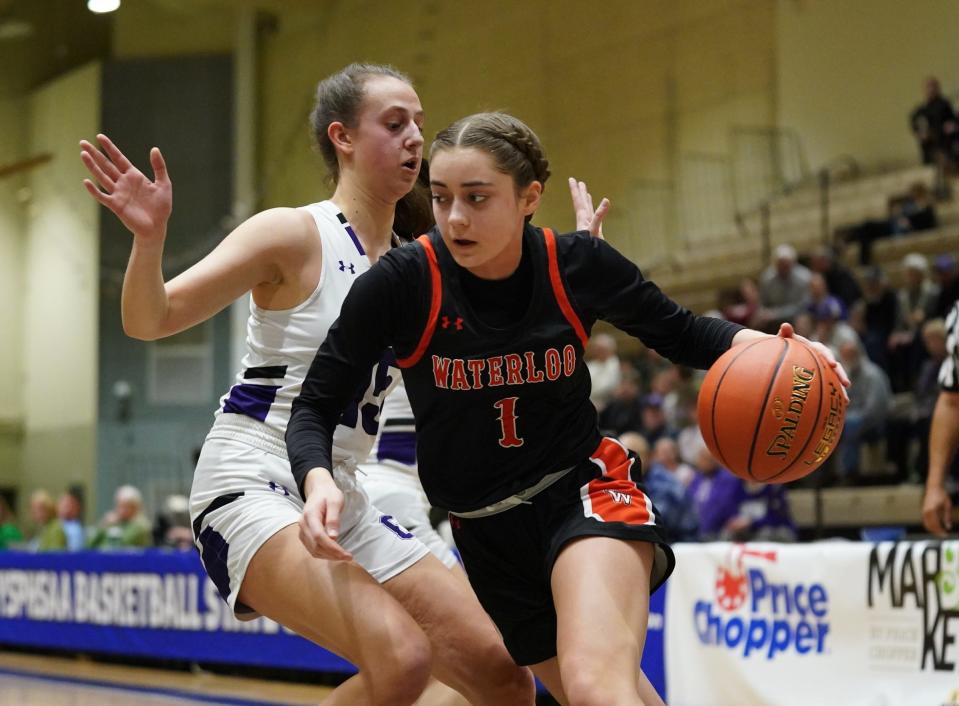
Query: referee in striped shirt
(944,434)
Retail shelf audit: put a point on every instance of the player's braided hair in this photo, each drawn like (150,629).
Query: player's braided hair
(515,148)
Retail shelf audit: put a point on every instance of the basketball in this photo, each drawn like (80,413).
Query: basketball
(771,410)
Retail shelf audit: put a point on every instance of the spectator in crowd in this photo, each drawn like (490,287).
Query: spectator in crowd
(880,315)
(763,515)
(125,525)
(741,304)
(172,527)
(666,456)
(946,270)
(624,412)
(870,398)
(913,212)
(48,535)
(819,294)
(830,329)
(917,300)
(943,435)
(935,126)
(604,369)
(10,534)
(715,493)
(840,281)
(666,490)
(653,423)
(927,389)
(70,513)
(783,289)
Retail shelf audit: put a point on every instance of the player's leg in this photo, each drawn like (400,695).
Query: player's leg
(339,606)
(468,652)
(601,591)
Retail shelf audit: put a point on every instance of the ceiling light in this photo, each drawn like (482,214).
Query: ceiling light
(101,6)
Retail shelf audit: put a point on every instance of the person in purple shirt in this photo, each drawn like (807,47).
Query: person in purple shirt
(715,493)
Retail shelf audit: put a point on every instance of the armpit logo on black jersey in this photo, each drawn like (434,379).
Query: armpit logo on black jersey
(509,369)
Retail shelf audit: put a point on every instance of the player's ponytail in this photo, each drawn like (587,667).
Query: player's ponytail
(338,99)
(515,148)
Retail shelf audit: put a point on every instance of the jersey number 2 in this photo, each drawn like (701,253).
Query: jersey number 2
(507,422)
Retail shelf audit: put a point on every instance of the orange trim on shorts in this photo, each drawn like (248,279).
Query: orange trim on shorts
(559,291)
(436,298)
(615,497)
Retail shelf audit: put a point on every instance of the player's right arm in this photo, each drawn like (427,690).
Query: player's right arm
(258,252)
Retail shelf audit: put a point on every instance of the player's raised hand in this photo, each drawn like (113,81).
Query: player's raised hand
(587,218)
(320,521)
(143,206)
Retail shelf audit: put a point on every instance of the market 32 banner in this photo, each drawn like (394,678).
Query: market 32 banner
(828,623)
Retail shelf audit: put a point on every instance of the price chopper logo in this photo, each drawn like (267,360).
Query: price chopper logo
(758,617)
(922,576)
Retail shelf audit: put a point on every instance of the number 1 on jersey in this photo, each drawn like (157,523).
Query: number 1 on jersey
(507,422)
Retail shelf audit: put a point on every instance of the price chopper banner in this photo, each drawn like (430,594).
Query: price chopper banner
(827,623)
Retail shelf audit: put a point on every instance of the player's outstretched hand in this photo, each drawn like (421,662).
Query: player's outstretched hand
(143,206)
(587,218)
(320,521)
(936,511)
(786,330)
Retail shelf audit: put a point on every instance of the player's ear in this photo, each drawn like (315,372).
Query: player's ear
(340,137)
(530,198)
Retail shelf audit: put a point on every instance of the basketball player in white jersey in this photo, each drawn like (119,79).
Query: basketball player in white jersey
(388,606)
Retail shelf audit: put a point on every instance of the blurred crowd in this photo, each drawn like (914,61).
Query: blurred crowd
(57,525)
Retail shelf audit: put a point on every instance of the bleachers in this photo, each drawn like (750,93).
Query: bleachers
(696,274)
(857,507)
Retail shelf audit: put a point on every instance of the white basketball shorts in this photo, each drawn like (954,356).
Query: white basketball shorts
(243,494)
(401,496)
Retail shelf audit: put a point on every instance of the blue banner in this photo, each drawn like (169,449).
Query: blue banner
(161,605)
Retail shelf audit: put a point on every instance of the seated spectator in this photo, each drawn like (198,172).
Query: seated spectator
(624,412)
(935,126)
(70,513)
(763,515)
(741,304)
(912,212)
(819,293)
(917,299)
(666,490)
(870,397)
(172,528)
(10,534)
(830,329)
(604,369)
(652,422)
(946,271)
(715,493)
(880,315)
(125,525)
(783,290)
(840,281)
(48,535)
(666,455)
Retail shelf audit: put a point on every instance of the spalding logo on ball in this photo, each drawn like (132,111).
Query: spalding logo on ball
(771,410)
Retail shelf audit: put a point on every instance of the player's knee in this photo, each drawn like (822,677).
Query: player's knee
(400,676)
(588,683)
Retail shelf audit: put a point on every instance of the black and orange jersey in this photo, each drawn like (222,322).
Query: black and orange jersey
(500,401)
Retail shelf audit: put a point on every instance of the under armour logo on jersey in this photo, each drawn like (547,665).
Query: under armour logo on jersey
(277,488)
(347,266)
(458,323)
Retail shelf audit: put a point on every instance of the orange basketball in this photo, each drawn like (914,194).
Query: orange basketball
(771,410)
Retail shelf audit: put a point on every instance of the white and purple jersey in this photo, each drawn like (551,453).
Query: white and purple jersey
(395,447)
(280,345)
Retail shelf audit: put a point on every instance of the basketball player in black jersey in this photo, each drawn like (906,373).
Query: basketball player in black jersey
(489,317)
